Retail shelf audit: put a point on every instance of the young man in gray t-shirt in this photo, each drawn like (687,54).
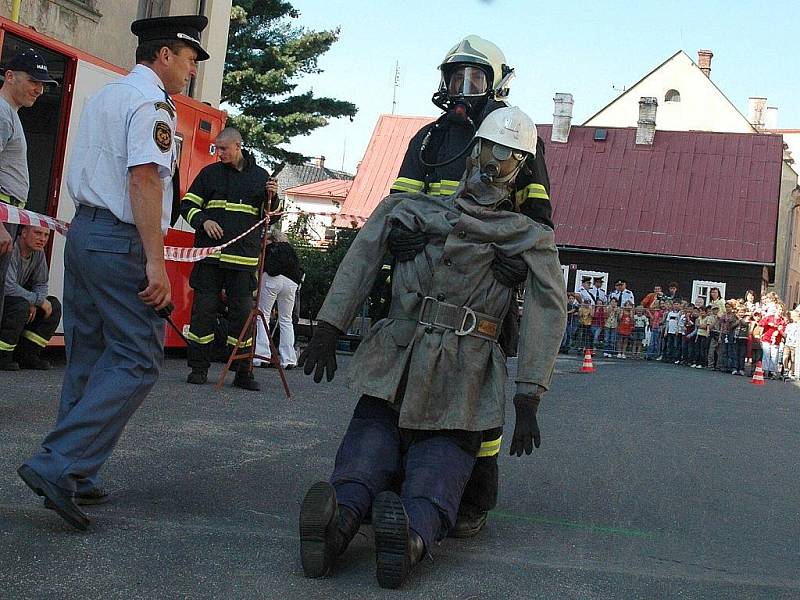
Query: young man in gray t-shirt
(24,81)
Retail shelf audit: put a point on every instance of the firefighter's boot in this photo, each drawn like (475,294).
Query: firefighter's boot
(326,528)
(7,362)
(398,549)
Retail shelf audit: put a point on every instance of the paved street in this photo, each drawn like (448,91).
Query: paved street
(653,481)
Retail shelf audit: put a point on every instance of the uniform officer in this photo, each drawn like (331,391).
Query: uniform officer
(120,178)
(622,294)
(586,292)
(597,289)
(475,81)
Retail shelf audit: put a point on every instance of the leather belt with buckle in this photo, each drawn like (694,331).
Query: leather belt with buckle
(461,319)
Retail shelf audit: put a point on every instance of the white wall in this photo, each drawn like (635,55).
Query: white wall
(702,107)
(311,205)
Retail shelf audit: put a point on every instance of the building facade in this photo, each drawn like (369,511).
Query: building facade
(102,28)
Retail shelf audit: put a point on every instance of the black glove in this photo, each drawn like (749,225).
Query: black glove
(510,271)
(321,352)
(526,428)
(405,244)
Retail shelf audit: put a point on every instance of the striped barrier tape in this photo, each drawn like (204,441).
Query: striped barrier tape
(20,216)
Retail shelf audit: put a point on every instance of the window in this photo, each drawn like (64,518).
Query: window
(153,8)
(672,96)
(701,288)
(565,273)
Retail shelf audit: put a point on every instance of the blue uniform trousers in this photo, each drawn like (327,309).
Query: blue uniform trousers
(434,466)
(114,346)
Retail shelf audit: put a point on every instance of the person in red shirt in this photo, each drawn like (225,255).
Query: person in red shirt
(774,327)
(624,330)
(598,321)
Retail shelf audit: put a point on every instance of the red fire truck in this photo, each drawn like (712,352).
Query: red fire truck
(50,128)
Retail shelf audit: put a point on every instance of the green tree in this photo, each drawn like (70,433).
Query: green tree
(268,53)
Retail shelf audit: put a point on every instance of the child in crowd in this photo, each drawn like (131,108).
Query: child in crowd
(585,325)
(791,360)
(610,333)
(689,333)
(741,333)
(640,322)
(673,336)
(713,339)
(624,330)
(774,325)
(655,316)
(572,322)
(726,339)
(598,322)
(701,344)
(756,330)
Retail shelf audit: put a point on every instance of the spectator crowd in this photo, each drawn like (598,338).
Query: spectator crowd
(728,335)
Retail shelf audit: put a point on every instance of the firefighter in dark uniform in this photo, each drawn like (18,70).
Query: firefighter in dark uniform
(474,82)
(226,199)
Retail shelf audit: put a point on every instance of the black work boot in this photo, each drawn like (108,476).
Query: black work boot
(325,530)
(7,362)
(397,548)
(33,361)
(198,376)
(468,524)
(246,381)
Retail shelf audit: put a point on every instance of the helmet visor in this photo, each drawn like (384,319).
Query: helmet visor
(466,80)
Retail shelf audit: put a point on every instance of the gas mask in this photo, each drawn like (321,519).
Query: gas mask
(491,170)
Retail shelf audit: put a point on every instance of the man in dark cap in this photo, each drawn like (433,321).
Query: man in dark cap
(24,79)
(120,179)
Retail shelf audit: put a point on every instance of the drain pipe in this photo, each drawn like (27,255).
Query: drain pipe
(15,10)
(201,10)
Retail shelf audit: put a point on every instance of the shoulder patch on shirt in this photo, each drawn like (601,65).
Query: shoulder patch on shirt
(162,134)
(166,107)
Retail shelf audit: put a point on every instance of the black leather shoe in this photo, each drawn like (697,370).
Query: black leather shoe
(197,377)
(246,381)
(60,498)
(468,525)
(34,362)
(397,548)
(325,530)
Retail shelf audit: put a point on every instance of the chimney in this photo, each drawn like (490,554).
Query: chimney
(771,118)
(562,118)
(704,61)
(646,125)
(318,161)
(756,111)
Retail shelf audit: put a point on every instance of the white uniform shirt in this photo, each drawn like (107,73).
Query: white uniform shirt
(622,297)
(600,294)
(130,122)
(587,295)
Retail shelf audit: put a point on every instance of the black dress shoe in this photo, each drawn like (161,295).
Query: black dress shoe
(246,381)
(397,548)
(468,525)
(91,498)
(60,498)
(325,530)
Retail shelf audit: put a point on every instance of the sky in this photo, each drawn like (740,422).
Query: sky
(591,49)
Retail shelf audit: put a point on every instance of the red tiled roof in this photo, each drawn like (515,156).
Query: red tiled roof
(327,188)
(699,194)
(381,162)
(619,196)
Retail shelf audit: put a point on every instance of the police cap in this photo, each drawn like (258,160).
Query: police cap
(184,28)
(585,278)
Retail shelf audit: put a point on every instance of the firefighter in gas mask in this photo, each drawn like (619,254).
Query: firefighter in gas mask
(431,376)
(475,81)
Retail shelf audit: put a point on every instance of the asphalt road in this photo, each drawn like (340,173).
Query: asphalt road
(653,481)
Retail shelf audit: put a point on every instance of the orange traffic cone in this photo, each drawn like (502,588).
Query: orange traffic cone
(587,361)
(758,375)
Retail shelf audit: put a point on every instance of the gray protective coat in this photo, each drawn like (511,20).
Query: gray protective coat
(454,382)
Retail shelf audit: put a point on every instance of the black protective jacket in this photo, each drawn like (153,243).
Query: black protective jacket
(447,140)
(235,200)
(281,259)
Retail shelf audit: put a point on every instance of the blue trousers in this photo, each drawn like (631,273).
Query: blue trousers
(114,347)
(434,467)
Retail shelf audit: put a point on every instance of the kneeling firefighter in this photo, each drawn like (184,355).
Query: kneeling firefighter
(475,81)
(431,376)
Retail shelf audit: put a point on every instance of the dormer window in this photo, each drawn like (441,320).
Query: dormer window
(672,96)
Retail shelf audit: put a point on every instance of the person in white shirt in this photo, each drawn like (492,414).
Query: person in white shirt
(622,293)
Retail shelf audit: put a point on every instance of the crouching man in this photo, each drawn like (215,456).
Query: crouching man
(431,376)
(30,316)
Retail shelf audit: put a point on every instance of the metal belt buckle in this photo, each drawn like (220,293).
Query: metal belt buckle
(425,301)
(468,312)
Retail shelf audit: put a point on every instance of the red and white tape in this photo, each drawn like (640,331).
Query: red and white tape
(20,216)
